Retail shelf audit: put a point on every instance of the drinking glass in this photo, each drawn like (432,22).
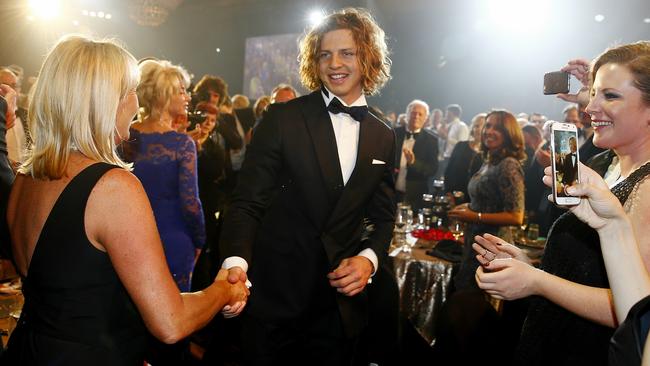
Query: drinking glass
(533,232)
(403,222)
(457,229)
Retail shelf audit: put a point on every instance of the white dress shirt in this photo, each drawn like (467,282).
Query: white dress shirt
(458,131)
(346,133)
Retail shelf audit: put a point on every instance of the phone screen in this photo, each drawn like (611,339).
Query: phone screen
(565,163)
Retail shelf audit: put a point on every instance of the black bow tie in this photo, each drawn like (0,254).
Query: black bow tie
(414,134)
(358,113)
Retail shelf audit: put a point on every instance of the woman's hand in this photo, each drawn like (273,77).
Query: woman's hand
(462,213)
(599,206)
(580,69)
(508,279)
(490,247)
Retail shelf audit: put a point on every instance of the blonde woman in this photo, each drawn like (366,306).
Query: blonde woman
(83,235)
(165,162)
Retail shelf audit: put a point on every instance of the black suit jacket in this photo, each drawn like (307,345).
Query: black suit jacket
(569,168)
(292,218)
(425,150)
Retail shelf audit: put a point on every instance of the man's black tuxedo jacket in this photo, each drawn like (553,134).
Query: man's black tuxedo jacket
(425,150)
(292,218)
(569,169)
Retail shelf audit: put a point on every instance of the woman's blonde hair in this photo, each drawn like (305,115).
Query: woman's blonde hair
(74,104)
(159,82)
(372,51)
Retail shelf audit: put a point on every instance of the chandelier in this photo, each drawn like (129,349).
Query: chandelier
(151,13)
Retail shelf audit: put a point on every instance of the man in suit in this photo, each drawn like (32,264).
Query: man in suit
(416,155)
(316,167)
(570,164)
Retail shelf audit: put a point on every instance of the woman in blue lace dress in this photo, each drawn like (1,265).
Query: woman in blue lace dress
(165,161)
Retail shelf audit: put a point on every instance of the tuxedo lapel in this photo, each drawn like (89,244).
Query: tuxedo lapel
(321,132)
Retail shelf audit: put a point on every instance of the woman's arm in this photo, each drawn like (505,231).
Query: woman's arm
(119,219)
(466,214)
(512,279)
(623,255)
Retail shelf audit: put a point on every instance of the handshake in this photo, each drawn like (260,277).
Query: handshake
(236,284)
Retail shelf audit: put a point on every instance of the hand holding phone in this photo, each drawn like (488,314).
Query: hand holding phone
(564,161)
(556,82)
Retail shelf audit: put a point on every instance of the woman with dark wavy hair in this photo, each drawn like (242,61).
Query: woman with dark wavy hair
(496,190)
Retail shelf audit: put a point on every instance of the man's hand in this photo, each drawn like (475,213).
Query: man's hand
(410,157)
(351,276)
(233,275)
(236,274)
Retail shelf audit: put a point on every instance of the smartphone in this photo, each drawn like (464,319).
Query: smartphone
(556,82)
(564,161)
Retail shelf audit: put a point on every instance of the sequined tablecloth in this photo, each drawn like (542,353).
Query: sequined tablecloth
(424,283)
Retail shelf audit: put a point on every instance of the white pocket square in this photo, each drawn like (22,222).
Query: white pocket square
(377,162)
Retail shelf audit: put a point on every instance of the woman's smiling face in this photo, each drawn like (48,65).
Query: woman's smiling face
(619,115)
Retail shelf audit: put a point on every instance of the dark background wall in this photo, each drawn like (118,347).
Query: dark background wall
(443,51)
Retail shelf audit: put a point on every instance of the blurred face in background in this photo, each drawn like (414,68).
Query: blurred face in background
(282,96)
(417,116)
(9,79)
(179,101)
(477,127)
(492,135)
(436,117)
(209,123)
(214,98)
(572,116)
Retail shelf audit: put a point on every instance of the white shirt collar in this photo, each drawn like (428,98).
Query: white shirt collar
(361,101)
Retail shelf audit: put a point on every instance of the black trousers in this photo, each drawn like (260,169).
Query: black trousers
(315,340)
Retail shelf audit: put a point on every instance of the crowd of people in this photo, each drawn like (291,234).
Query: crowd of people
(144,211)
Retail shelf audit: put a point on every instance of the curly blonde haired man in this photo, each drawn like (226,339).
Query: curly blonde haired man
(316,167)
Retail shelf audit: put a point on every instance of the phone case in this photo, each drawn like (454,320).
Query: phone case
(565,163)
(556,82)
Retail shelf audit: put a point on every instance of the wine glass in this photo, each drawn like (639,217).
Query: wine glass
(456,228)
(403,222)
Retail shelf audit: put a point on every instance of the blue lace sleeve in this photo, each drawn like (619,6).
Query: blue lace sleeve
(189,190)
